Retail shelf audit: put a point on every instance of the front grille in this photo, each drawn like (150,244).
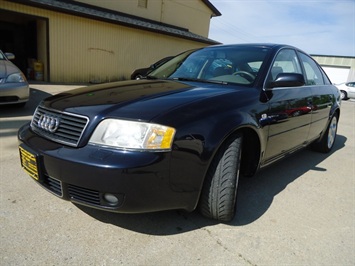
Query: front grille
(84,195)
(53,185)
(70,126)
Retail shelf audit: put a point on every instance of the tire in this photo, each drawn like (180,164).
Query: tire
(327,142)
(219,193)
(343,95)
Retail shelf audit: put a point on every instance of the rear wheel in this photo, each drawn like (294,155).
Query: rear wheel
(327,141)
(218,197)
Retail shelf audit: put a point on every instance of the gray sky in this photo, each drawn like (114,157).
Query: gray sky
(325,27)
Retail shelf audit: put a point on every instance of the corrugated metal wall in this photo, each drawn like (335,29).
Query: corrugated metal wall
(192,14)
(85,50)
(335,60)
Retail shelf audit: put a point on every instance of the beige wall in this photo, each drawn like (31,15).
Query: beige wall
(193,15)
(85,50)
(42,45)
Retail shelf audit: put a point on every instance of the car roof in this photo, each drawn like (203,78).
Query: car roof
(264,45)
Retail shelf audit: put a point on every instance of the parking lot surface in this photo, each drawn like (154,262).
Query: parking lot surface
(300,211)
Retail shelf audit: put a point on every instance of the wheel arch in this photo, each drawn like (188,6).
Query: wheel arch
(249,162)
(251,151)
(332,113)
(337,112)
(251,148)
(212,138)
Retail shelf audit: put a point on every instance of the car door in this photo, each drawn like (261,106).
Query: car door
(322,97)
(289,108)
(351,89)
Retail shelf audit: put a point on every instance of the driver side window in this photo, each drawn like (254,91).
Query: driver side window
(285,62)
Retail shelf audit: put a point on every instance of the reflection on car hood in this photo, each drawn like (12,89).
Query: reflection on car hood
(141,100)
(7,68)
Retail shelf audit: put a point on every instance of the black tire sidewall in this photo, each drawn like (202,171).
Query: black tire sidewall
(219,193)
(322,145)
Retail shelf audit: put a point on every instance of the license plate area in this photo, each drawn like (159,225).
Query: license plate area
(29,163)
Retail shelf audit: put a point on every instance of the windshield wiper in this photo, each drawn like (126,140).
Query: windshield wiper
(201,80)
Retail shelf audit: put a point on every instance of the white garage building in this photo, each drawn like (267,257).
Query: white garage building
(339,69)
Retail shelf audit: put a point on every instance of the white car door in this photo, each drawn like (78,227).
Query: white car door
(351,89)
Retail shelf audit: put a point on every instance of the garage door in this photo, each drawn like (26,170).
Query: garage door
(337,75)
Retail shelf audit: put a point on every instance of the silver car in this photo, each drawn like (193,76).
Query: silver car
(14,88)
(347,90)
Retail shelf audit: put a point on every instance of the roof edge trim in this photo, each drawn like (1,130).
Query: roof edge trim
(114,17)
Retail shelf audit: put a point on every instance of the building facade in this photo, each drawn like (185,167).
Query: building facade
(191,15)
(340,69)
(80,42)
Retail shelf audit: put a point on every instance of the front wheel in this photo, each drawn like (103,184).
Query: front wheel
(328,139)
(219,193)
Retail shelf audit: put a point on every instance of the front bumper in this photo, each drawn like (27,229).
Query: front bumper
(139,180)
(12,93)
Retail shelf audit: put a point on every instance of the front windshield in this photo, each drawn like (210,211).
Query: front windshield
(237,65)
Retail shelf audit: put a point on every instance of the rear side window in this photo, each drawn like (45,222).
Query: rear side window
(325,78)
(313,73)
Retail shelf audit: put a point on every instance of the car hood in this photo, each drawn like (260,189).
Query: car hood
(139,100)
(7,68)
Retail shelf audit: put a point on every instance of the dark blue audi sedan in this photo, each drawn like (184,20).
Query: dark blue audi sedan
(182,137)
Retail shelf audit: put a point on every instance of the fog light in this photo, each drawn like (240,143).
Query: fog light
(111,199)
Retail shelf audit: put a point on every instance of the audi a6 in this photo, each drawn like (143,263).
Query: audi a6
(182,137)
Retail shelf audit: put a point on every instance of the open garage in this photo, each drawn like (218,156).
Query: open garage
(26,37)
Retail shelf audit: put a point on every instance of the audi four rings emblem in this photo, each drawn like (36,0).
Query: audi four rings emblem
(48,122)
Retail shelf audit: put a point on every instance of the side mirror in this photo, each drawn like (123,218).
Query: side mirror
(10,56)
(287,80)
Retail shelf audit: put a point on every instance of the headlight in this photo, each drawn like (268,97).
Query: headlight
(15,78)
(133,135)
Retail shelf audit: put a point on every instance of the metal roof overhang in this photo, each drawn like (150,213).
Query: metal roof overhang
(110,16)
